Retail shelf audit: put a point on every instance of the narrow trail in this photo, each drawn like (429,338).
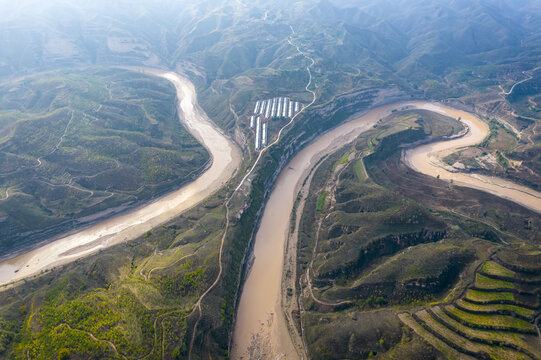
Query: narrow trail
(249,172)
(331,186)
(163,317)
(38,159)
(528,73)
(146,263)
(93,337)
(536,322)
(529,76)
(55,148)
(68,184)
(91,192)
(534,132)
(321,302)
(39,163)
(534,128)
(147,276)
(483,222)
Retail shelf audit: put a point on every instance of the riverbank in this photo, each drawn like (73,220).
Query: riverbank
(261,326)
(225,161)
(427,159)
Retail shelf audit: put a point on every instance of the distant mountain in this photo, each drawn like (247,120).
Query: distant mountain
(416,39)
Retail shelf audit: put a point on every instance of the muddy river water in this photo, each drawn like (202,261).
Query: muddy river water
(225,160)
(427,160)
(261,331)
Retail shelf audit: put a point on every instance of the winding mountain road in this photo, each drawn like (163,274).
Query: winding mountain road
(529,76)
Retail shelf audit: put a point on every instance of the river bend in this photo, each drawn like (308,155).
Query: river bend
(261,331)
(225,157)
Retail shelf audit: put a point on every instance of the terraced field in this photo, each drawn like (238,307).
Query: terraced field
(376,238)
(496,318)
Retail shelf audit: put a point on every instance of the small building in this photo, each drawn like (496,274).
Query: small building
(284,110)
(268,112)
(290,112)
(264,136)
(258,133)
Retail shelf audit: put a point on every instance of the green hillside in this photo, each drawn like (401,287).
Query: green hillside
(78,142)
(405,267)
(384,250)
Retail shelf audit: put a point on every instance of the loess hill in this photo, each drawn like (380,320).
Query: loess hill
(380,258)
(75,143)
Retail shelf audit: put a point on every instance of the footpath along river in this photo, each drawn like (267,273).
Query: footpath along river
(261,331)
(225,156)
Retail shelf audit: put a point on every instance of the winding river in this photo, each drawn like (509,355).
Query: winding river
(426,159)
(225,156)
(261,330)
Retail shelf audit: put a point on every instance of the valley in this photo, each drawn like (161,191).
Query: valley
(394,214)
